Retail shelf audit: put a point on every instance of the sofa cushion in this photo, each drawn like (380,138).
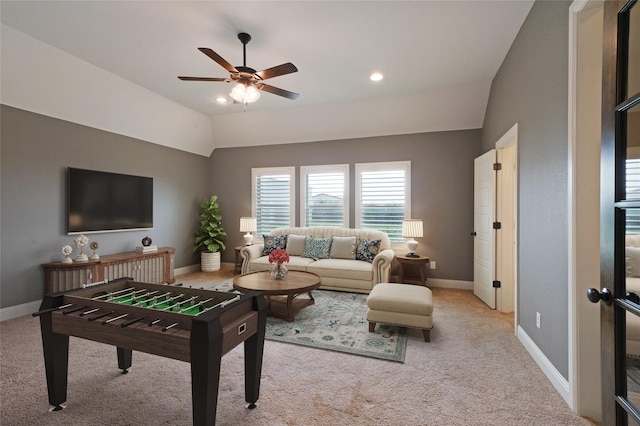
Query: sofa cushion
(343,247)
(317,248)
(342,268)
(273,242)
(296,244)
(367,249)
(632,260)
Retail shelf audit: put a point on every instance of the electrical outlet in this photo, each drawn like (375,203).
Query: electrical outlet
(538,320)
(432,265)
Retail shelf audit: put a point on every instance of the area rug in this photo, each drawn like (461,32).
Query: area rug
(337,322)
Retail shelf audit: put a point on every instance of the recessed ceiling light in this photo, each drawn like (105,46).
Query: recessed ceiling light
(222,100)
(376,76)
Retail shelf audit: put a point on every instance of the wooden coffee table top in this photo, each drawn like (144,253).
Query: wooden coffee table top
(295,282)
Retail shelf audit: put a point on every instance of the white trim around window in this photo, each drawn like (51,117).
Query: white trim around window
(383,196)
(273,197)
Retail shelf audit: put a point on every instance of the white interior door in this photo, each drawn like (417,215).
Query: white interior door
(484,188)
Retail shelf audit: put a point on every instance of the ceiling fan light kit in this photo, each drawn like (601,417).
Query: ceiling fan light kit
(249,81)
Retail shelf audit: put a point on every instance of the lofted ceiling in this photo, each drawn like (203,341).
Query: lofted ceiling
(438,59)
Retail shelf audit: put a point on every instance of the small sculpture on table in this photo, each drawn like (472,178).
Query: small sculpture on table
(66,251)
(80,241)
(94,246)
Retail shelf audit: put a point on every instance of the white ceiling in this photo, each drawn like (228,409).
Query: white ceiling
(436,57)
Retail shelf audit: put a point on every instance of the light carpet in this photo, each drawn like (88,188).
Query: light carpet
(337,322)
(473,372)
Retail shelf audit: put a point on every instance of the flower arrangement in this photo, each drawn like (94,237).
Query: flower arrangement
(278,256)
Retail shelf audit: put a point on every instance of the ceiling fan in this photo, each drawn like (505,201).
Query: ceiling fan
(250,81)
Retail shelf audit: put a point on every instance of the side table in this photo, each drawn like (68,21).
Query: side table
(238,260)
(421,262)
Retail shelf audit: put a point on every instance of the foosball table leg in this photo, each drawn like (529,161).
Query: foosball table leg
(206,356)
(56,356)
(124,359)
(253,351)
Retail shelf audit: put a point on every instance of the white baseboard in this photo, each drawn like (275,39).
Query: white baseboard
(457,284)
(19,310)
(557,380)
(196,267)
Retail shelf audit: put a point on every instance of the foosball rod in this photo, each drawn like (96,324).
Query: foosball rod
(110,320)
(46,311)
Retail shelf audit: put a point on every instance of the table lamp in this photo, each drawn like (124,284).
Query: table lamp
(248,225)
(412,228)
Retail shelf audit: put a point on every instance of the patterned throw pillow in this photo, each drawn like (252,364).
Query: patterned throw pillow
(273,242)
(317,248)
(367,249)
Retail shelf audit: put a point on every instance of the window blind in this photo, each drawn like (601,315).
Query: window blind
(324,199)
(633,192)
(382,201)
(272,202)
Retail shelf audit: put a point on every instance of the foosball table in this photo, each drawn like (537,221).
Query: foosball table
(187,324)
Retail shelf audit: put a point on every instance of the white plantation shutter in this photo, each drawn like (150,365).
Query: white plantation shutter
(383,197)
(272,198)
(633,191)
(325,195)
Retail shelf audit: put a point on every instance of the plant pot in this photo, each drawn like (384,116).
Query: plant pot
(209,262)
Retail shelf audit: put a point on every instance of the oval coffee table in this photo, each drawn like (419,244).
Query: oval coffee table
(282,295)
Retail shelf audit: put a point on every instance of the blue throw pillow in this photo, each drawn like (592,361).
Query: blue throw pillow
(273,242)
(367,249)
(317,248)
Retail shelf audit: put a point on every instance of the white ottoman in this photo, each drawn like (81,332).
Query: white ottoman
(403,305)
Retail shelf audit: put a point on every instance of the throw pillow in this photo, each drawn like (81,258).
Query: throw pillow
(343,247)
(367,249)
(273,242)
(296,244)
(317,248)
(632,257)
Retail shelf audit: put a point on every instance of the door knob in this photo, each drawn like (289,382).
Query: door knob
(595,296)
(473,234)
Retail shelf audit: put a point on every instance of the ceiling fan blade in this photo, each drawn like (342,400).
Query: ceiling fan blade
(204,79)
(276,71)
(213,55)
(278,91)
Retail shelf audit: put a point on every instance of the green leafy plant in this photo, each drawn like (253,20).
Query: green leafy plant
(210,237)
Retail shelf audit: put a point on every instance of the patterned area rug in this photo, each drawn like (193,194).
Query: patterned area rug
(337,322)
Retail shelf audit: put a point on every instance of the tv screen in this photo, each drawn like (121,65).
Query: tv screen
(101,201)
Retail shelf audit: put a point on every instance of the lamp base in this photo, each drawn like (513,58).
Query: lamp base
(412,255)
(248,239)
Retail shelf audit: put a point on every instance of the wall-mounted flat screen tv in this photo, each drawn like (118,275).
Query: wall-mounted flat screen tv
(102,201)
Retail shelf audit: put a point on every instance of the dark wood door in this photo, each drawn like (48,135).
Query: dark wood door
(620,201)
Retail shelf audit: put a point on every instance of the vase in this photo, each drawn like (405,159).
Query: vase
(209,262)
(278,271)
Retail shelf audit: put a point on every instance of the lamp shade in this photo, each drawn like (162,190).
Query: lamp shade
(248,224)
(412,228)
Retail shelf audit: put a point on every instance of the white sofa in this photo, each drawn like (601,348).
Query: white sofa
(340,271)
(632,257)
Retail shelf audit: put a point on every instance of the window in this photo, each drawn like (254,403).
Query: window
(383,197)
(272,201)
(324,195)
(633,192)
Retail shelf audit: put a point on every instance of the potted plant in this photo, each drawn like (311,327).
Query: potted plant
(210,237)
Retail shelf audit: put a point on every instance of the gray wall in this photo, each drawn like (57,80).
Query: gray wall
(531,88)
(442,186)
(36,150)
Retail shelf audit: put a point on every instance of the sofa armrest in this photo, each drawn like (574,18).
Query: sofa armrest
(248,254)
(382,266)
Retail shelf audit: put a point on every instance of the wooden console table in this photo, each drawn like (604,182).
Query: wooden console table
(153,267)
